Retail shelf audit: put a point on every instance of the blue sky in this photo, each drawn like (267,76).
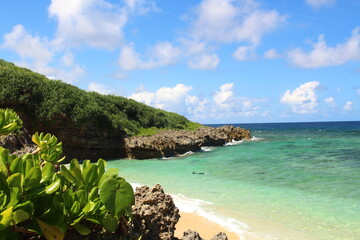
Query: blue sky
(214,61)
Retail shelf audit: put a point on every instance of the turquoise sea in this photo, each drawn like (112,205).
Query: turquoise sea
(291,181)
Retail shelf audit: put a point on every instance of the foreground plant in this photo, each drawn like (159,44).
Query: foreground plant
(37,199)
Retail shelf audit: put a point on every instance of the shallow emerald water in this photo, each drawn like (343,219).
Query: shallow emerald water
(294,181)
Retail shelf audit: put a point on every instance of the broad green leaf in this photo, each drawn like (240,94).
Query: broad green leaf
(76,172)
(5,218)
(75,208)
(52,216)
(67,174)
(47,172)
(110,223)
(20,216)
(101,167)
(90,174)
(15,180)
(109,174)
(90,206)
(116,195)
(85,163)
(15,165)
(4,155)
(32,178)
(94,193)
(50,189)
(14,196)
(74,163)
(51,232)
(82,197)
(3,199)
(82,229)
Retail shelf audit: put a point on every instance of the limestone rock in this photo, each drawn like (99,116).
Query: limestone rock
(154,213)
(173,143)
(220,236)
(191,235)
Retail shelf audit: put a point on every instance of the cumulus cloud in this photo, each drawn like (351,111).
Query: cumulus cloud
(204,62)
(331,102)
(162,54)
(223,98)
(322,55)
(170,99)
(27,46)
(99,88)
(271,54)
(37,54)
(233,21)
(319,3)
(179,99)
(348,106)
(97,23)
(244,53)
(303,99)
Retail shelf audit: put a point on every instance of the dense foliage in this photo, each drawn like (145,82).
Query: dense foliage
(36,198)
(46,100)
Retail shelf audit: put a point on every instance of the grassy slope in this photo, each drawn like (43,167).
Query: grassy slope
(50,99)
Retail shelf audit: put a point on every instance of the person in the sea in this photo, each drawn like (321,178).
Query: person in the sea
(199,172)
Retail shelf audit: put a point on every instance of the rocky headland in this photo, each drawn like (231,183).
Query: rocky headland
(171,143)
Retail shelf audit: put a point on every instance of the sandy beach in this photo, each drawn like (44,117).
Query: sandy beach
(204,227)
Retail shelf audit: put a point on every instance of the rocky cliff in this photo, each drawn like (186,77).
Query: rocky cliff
(172,143)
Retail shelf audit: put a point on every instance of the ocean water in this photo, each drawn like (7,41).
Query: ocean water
(293,181)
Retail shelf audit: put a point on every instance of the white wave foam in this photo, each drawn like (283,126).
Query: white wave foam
(197,206)
(254,138)
(186,154)
(207,149)
(233,142)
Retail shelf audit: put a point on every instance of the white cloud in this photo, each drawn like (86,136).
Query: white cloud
(97,23)
(99,88)
(38,54)
(179,99)
(162,54)
(204,62)
(319,3)
(348,106)
(303,99)
(331,102)
(323,55)
(170,99)
(141,6)
(223,98)
(271,53)
(244,53)
(28,46)
(233,21)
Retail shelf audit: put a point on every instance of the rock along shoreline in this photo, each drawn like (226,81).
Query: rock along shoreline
(170,143)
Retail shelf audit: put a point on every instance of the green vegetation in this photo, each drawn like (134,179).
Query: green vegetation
(191,126)
(49,100)
(38,199)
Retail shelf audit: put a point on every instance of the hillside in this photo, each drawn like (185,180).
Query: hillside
(84,121)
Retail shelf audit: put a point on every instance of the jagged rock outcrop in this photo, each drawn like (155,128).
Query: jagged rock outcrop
(220,236)
(154,214)
(172,143)
(191,235)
